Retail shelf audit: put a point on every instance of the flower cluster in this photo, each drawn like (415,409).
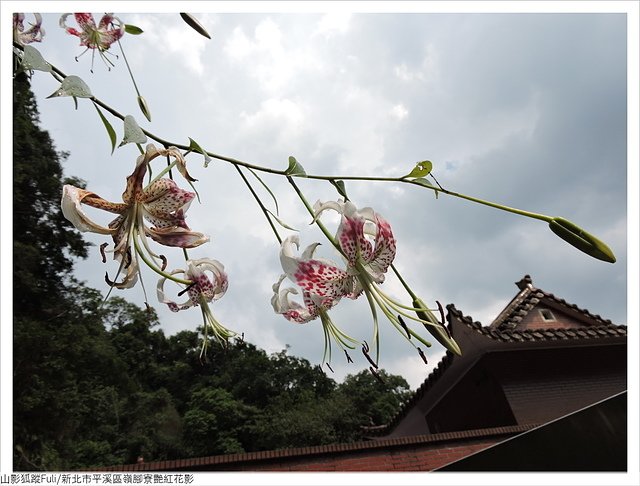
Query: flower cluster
(163,205)
(366,242)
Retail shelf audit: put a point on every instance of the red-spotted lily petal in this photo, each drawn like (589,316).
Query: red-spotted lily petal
(318,277)
(109,30)
(295,312)
(35,33)
(356,226)
(203,287)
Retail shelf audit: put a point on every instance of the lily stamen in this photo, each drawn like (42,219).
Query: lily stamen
(422,355)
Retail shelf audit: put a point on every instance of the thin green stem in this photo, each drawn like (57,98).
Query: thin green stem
(153,267)
(322,227)
(404,180)
(135,86)
(404,284)
(259,201)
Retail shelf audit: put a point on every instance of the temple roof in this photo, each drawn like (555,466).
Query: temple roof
(513,329)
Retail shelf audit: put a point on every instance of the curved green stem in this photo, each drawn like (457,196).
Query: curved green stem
(568,231)
(153,267)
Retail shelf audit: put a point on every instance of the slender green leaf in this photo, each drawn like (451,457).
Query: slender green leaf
(195,147)
(421,169)
(132,29)
(72,86)
(132,132)
(33,60)
(275,201)
(110,130)
(295,169)
(280,222)
(194,24)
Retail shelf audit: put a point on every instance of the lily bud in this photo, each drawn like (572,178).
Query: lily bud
(194,24)
(582,240)
(144,108)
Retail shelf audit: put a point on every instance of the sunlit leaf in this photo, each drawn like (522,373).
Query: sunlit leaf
(295,169)
(132,132)
(33,60)
(195,147)
(132,29)
(72,86)
(194,24)
(421,169)
(110,130)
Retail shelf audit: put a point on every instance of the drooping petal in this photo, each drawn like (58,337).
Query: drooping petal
(385,248)
(209,288)
(128,266)
(69,30)
(291,310)
(35,33)
(165,203)
(177,236)
(316,276)
(85,21)
(203,287)
(351,236)
(72,199)
(174,307)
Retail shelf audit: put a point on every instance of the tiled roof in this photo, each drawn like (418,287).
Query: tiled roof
(528,298)
(211,462)
(498,331)
(506,335)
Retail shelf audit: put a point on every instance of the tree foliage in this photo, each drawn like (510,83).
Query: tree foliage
(99,384)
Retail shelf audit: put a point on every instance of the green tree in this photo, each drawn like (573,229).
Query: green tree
(376,403)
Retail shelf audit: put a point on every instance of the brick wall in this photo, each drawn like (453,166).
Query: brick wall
(416,458)
(544,386)
(534,320)
(415,453)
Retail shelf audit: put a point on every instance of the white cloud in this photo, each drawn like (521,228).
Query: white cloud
(163,35)
(275,110)
(399,111)
(333,23)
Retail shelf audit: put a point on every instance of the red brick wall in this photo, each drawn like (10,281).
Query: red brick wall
(415,453)
(420,457)
(534,320)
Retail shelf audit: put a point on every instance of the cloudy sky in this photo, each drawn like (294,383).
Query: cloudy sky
(528,110)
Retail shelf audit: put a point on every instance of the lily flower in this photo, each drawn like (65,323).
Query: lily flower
(201,287)
(323,284)
(365,262)
(365,240)
(201,291)
(162,203)
(100,37)
(35,33)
